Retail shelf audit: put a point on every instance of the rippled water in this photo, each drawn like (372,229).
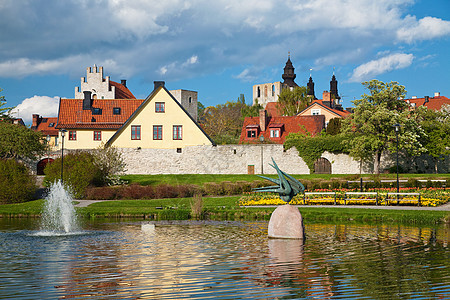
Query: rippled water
(195,260)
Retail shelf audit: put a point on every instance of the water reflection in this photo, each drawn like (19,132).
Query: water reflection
(225,260)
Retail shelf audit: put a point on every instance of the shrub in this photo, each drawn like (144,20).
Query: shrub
(79,172)
(212,188)
(102,193)
(16,183)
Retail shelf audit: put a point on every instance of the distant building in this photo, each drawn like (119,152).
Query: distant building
(434,103)
(47,126)
(271,129)
(269,92)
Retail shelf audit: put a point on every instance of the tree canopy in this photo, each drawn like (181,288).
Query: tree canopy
(19,142)
(371,126)
(291,102)
(4,111)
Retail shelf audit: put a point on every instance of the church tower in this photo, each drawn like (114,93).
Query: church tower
(334,88)
(289,74)
(310,87)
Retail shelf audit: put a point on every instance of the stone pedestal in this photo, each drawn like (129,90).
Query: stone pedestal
(286,222)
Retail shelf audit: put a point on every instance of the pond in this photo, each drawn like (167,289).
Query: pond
(229,260)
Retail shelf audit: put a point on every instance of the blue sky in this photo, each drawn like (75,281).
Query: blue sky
(220,48)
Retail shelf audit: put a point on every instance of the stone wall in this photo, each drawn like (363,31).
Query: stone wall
(227,159)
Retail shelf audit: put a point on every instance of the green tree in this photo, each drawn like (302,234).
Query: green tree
(334,126)
(223,122)
(110,162)
(19,142)
(291,102)
(250,110)
(16,183)
(436,126)
(4,111)
(371,124)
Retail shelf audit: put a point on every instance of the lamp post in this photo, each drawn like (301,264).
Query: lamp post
(63,133)
(397,128)
(261,139)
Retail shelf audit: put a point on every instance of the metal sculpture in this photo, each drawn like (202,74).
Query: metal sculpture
(287,186)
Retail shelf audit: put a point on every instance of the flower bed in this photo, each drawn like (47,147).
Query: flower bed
(429,197)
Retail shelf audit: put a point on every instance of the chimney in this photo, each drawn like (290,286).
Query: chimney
(262,119)
(124,82)
(326,96)
(427,99)
(437,94)
(158,84)
(35,121)
(87,100)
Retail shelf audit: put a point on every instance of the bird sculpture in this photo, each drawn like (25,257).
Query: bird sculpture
(287,186)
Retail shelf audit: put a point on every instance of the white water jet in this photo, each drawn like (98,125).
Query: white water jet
(59,216)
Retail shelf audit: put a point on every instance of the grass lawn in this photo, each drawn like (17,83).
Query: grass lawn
(226,208)
(200,179)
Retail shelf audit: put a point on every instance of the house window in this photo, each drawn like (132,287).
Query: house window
(177,132)
(97,135)
(72,135)
(159,107)
(190,100)
(97,111)
(315,112)
(274,133)
(116,111)
(51,125)
(136,132)
(251,133)
(157,132)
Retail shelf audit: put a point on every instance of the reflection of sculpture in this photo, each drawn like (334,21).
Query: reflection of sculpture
(287,186)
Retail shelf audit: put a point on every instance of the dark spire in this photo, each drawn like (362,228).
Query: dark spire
(289,74)
(334,88)
(310,87)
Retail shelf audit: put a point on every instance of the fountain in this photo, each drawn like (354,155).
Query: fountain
(59,216)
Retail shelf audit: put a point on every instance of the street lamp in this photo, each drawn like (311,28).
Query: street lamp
(261,139)
(63,133)
(397,128)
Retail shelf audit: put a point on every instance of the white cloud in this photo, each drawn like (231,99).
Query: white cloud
(426,29)
(382,65)
(43,105)
(246,76)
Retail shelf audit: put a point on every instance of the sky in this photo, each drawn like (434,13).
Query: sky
(219,48)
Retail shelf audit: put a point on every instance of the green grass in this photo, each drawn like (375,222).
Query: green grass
(200,179)
(225,208)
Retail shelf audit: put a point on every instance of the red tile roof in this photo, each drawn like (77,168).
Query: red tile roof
(47,126)
(434,103)
(122,92)
(301,124)
(72,116)
(272,109)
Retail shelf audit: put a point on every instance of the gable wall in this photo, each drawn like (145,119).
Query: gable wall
(328,115)
(173,115)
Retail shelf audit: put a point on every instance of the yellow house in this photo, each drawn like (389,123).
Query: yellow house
(159,121)
(325,107)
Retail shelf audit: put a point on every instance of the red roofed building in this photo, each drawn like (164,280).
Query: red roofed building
(275,129)
(434,103)
(47,126)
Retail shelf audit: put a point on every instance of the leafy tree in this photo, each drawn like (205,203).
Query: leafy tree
(223,122)
(80,172)
(436,126)
(334,126)
(16,183)
(371,124)
(291,102)
(250,110)
(19,142)
(4,111)
(110,162)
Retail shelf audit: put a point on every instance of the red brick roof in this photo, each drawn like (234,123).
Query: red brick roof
(300,124)
(72,116)
(122,92)
(434,103)
(47,126)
